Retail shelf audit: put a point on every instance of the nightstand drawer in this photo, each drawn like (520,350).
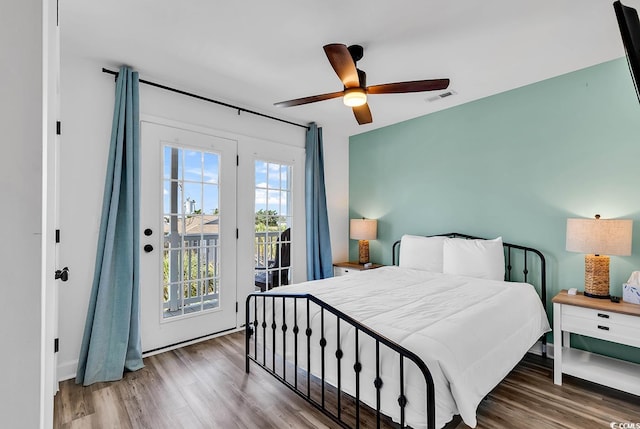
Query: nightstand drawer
(344,268)
(601,316)
(601,328)
(342,271)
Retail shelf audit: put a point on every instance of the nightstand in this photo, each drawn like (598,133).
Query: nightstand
(344,268)
(597,318)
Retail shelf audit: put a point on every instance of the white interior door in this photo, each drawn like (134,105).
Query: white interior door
(188,235)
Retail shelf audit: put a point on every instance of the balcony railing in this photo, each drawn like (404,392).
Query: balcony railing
(190,274)
(191,269)
(265,247)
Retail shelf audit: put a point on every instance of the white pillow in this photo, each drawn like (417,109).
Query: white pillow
(474,258)
(421,253)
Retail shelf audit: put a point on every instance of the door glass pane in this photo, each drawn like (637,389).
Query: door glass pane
(172,194)
(191,231)
(272,254)
(210,199)
(193,166)
(211,166)
(169,163)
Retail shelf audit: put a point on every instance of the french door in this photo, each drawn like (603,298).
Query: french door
(272,243)
(188,235)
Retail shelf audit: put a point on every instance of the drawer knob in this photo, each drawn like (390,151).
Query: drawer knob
(604,316)
(604,328)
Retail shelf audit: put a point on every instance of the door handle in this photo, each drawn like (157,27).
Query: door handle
(148,248)
(62,274)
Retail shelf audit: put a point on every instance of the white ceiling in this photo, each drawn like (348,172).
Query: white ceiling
(256,53)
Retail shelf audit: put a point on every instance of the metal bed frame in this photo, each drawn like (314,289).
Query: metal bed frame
(301,302)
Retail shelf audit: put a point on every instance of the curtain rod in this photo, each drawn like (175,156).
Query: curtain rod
(200,97)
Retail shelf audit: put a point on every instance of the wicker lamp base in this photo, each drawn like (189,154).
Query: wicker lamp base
(363,251)
(596,276)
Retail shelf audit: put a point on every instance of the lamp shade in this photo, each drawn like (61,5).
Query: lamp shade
(363,229)
(600,236)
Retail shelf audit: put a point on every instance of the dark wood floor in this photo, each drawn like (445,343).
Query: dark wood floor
(205,386)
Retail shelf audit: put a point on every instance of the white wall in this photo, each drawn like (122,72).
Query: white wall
(86,112)
(21,118)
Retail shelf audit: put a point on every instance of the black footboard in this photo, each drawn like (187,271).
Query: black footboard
(282,346)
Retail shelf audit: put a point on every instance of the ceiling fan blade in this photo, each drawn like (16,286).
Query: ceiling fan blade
(363,114)
(410,86)
(341,61)
(311,99)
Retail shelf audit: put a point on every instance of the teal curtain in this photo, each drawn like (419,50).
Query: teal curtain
(111,342)
(319,261)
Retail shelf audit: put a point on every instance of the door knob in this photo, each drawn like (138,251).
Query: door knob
(148,248)
(62,274)
(148,232)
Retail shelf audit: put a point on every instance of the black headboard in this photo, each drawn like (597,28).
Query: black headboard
(517,261)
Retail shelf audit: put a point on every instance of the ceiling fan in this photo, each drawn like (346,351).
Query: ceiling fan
(343,59)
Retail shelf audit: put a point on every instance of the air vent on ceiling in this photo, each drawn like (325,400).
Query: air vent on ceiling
(441,96)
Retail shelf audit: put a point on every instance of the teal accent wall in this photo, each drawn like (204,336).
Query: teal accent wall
(516,165)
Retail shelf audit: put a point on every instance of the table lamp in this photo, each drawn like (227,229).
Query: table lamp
(598,238)
(363,230)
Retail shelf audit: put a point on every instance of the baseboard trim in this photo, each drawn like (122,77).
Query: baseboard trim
(188,343)
(68,370)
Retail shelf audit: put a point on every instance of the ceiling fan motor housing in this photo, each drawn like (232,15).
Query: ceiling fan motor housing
(362,77)
(357,52)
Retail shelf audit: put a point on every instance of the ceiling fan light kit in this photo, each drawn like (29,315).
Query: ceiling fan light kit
(354,97)
(343,59)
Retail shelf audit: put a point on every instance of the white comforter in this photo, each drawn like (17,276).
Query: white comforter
(470,333)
